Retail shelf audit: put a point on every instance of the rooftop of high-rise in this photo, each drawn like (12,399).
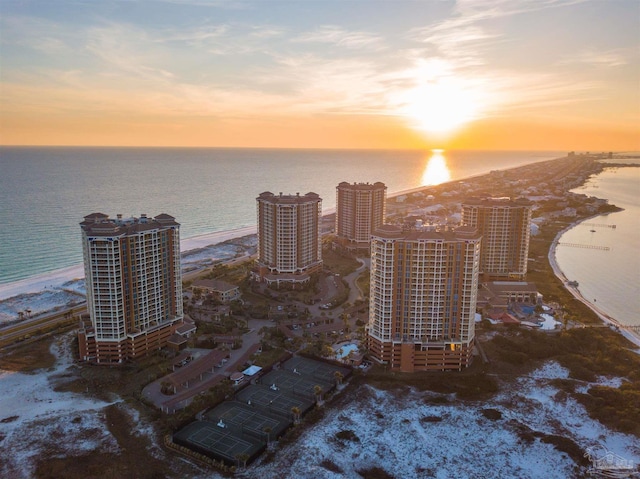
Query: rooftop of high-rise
(99,224)
(288,199)
(362,186)
(496,201)
(427,233)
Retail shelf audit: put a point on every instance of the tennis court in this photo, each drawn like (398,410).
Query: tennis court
(273,401)
(315,369)
(260,411)
(295,383)
(245,419)
(214,440)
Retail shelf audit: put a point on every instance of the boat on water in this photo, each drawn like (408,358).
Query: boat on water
(593,231)
(573,283)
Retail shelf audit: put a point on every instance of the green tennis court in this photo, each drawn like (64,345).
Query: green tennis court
(245,419)
(213,440)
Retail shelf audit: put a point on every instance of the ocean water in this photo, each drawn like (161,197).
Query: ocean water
(608,279)
(46,191)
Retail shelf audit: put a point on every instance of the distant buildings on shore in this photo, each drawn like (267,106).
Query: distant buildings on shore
(134,286)
(505,226)
(360,210)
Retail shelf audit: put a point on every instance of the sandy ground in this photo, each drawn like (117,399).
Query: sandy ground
(407,433)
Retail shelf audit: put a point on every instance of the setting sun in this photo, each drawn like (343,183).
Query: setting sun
(440,102)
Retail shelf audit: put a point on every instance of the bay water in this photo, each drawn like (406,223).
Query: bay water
(608,278)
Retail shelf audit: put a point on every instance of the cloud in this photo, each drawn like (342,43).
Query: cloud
(335,35)
(610,58)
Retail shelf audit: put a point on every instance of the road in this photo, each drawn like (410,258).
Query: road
(29,327)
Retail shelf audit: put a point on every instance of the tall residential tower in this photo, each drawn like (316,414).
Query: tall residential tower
(289,241)
(360,210)
(424,287)
(505,226)
(134,286)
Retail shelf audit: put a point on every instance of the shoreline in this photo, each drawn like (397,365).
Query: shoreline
(575,292)
(205,249)
(55,279)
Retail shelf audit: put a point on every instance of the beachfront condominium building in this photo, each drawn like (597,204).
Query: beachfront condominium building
(134,286)
(423,292)
(289,241)
(505,226)
(360,210)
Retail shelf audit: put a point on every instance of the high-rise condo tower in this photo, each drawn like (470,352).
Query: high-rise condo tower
(289,241)
(134,286)
(505,226)
(423,292)
(360,210)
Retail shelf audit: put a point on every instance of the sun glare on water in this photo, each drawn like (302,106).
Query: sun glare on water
(436,170)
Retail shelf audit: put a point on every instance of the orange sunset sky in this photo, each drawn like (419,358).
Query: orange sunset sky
(534,74)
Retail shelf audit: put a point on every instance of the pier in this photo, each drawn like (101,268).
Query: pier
(599,225)
(586,246)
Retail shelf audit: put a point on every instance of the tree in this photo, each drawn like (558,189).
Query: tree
(328,351)
(338,375)
(295,410)
(242,457)
(317,390)
(267,430)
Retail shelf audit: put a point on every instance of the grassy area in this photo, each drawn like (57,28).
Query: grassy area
(29,357)
(337,262)
(132,456)
(363,281)
(471,383)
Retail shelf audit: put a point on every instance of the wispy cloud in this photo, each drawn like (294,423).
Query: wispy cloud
(338,36)
(610,58)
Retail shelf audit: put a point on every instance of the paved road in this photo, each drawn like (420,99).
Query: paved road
(152,392)
(12,333)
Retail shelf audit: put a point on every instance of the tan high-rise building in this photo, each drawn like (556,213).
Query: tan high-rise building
(505,226)
(360,210)
(289,241)
(423,292)
(134,286)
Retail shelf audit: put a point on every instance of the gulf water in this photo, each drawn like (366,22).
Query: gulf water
(608,278)
(46,191)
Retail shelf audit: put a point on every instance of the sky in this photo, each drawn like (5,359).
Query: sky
(473,74)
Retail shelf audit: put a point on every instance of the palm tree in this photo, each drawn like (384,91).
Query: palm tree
(267,430)
(242,457)
(317,390)
(295,410)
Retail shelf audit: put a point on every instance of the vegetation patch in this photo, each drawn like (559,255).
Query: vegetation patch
(492,414)
(587,353)
(341,263)
(428,419)
(470,384)
(374,473)
(29,357)
(347,435)
(329,465)
(617,408)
